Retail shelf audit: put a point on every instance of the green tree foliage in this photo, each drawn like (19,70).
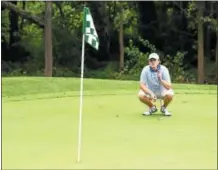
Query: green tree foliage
(169,28)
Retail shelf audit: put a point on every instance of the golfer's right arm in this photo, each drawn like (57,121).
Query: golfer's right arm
(144,88)
(143,83)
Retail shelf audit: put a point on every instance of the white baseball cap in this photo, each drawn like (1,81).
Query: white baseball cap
(153,55)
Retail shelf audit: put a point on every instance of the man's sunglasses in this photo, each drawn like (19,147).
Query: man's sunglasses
(152,59)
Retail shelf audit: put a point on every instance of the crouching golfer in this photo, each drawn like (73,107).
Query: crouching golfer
(155,83)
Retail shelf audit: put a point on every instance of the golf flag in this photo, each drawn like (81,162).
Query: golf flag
(91,36)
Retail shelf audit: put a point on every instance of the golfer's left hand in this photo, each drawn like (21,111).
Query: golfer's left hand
(159,75)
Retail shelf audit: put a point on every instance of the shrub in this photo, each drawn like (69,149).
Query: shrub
(137,60)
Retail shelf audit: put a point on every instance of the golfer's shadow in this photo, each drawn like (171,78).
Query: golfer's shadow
(156,115)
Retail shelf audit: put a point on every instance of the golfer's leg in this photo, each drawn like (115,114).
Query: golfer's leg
(145,99)
(167,97)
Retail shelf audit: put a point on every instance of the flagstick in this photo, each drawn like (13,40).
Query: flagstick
(81,100)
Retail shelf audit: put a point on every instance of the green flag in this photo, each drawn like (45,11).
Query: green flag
(91,36)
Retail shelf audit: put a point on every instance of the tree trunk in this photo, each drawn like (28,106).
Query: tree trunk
(200,5)
(121,42)
(207,42)
(208,33)
(48,39)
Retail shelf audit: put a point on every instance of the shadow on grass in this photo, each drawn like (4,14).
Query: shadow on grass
(159,116)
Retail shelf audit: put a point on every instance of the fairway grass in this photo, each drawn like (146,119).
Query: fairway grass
(40,130)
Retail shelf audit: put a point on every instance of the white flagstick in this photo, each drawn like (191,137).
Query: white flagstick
(81,100)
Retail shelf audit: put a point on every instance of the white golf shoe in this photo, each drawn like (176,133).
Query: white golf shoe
(150,111)
(165,111)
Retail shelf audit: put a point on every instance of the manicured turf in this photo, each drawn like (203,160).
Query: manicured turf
(40,126)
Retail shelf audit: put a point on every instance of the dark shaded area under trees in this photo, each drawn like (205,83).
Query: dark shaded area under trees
(176,30)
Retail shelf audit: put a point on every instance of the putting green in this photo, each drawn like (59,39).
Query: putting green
(43,133)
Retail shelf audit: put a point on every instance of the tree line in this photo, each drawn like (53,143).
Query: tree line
(46,37)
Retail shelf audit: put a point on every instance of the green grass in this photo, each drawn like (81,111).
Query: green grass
(40,126)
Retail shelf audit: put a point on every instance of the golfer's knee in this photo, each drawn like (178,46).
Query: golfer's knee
(140,96)
(169,96)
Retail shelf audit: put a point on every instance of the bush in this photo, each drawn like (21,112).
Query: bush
(106,72)
(175,66)
(137,60)
(63,72)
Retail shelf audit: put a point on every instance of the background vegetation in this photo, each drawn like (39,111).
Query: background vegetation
(45,38)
